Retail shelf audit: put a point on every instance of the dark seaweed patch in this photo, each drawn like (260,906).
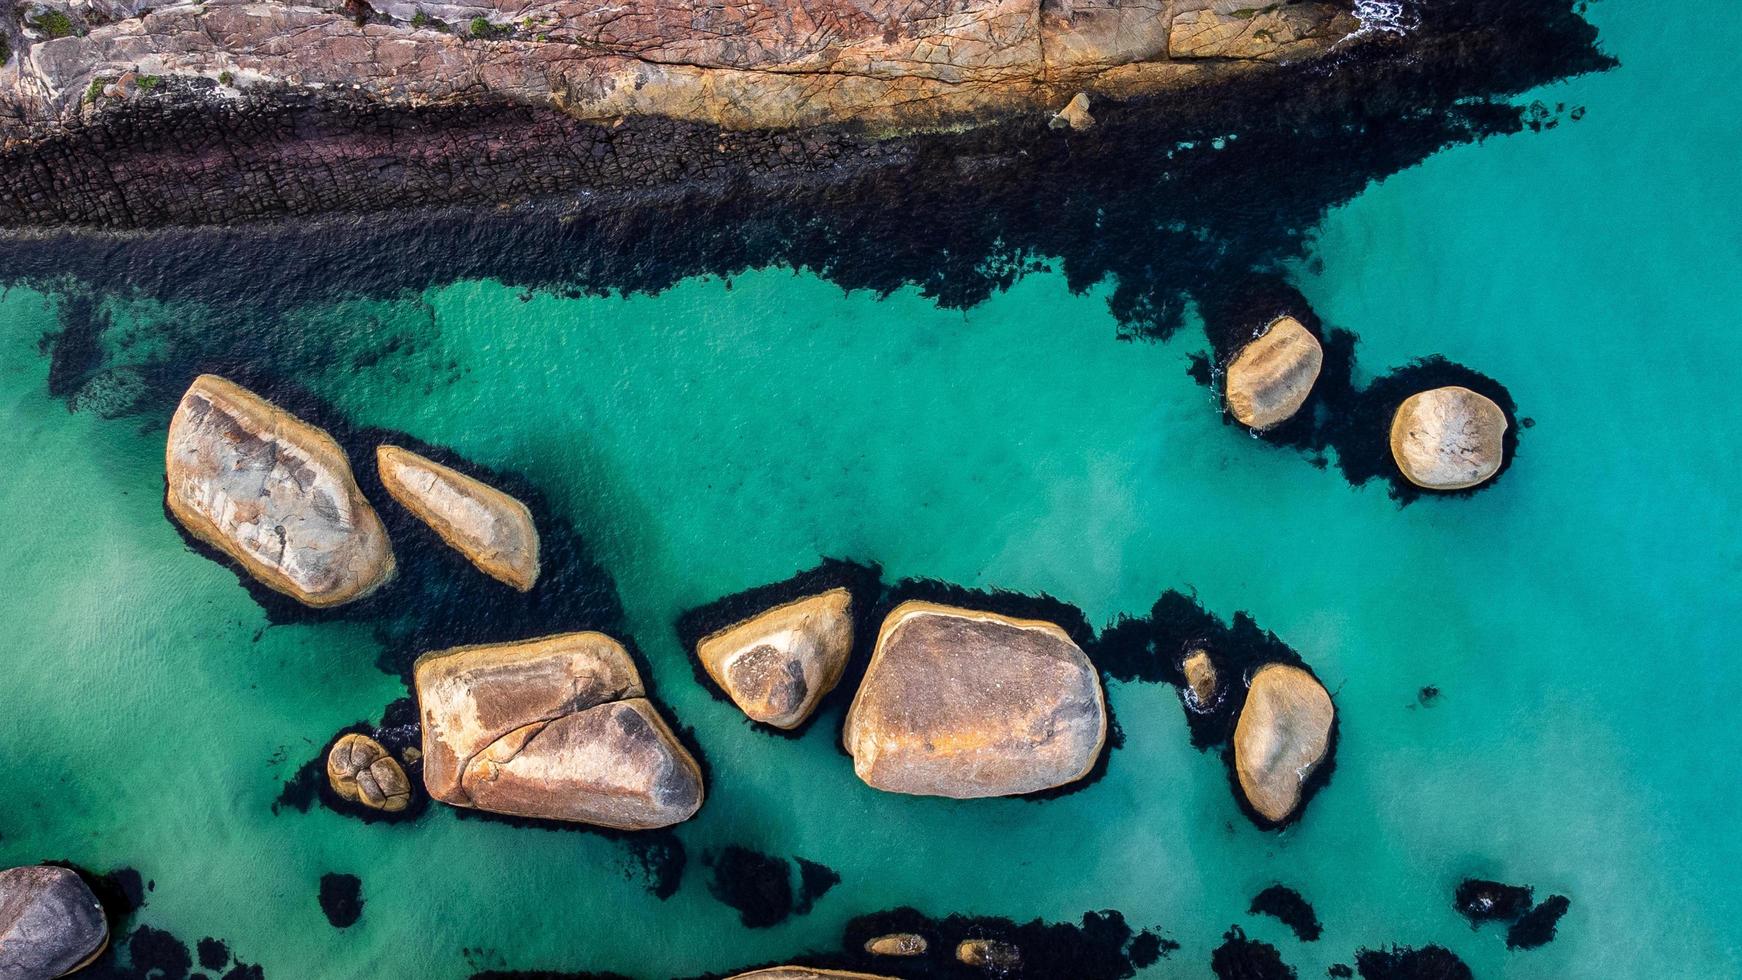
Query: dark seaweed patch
(1288,906)
(814,881)
(1537,928)
(758,885)
(341,899)
(214,954)
(862,581)
(1148,947)
(659,858)
(1239,958)
(1403,963)
(1480,900)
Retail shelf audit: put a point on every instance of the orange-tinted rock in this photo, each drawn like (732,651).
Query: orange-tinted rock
(1281,737)
(778,664)
(1271,377)
(493,530)
(360,770)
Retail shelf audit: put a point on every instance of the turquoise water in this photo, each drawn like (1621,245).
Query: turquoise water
(1579,617)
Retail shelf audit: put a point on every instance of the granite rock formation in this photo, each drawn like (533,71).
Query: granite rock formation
(1201,681)
(805,973)
(965,704)
(274,493)
(1283,734)
(1270,378)
(359,769)
(897,944)
(50,923)
(1448,438)
(493,530)
(557,728)
(778,664)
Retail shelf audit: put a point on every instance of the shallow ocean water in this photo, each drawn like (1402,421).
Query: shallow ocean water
(1579,617)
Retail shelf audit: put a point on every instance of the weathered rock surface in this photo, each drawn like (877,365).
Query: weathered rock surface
(1448,438)
(361,770)
(492,529)
(1281,737)
(1075,114)
(778,664)
(988,954)
(50,923)
(557,728)
(733,63)
(274,493)
(1200,674)
(806,973)
(962,703)
(1271,377)
(897,944)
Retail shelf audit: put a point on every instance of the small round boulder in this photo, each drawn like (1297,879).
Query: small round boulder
(1448,438)
(1271,377)
(360,770)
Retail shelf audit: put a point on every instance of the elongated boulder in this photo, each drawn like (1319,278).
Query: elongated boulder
(493,530)
(1281,737)
(777,665)
(1448,438)
(1270,378)
(805,973)
(1200,673)
(50,923)
(361,770)
(965,704)
(897,944)
(557,728)
(274,493)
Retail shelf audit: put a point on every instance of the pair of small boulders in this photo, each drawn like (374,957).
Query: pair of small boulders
(954,702)
(51,924)
(1447,438)
(1281,737)
(277,495)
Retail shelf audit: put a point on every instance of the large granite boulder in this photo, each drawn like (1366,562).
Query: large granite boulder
(274,493)
(1281,737)
(963,703)
(359,769)
(805,973)
(493,530)
(1270,378)
(1448,438)
(557,728)
(50,923)
(778,664)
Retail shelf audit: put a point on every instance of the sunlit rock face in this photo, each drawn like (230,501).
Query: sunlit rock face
(274,493)
(51,924)
(359,769)
(963,703)
(1282,736)
(1448,438)
(557,728)
(778,664)
(492,529)
(1270,378)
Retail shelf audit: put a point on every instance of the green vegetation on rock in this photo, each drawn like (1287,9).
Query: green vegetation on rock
(54,24)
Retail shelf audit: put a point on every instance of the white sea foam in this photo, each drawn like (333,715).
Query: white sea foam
(1382,17)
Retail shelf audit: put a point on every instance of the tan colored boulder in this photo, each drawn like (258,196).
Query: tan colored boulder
(1075,114)
(1200,673)
(493,530)
(965,704)
(51,925)
(359,769)
(988,954)
(805,973)
(777,665)
(275,494)
(1270,378)
(1281,737)
(897,944)
(1448,438)
(557,728)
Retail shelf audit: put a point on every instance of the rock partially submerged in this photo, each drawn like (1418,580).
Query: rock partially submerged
(1282,735)
(805,973)
(50,923)
(989,955)
(274,493)
(1481,900)
(777,665)
(1448,438)
(963,703)
(492,529)
(558,728)
(1200,673)
(1271,377)
(359,769)
(897,944)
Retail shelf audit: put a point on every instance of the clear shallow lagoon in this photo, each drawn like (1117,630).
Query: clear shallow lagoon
(1579,617)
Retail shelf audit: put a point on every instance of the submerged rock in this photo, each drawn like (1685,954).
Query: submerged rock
(1448,438)
(897,944)
(1271,377)
(1200,672)
(1481,901)
(965,704)
(50,923)
(1075,114)
(493,530)
(557,728)
(341,899)
(361,770)
(274,493)
(988,954)
(777,665)
(805,973)
(1281,737)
